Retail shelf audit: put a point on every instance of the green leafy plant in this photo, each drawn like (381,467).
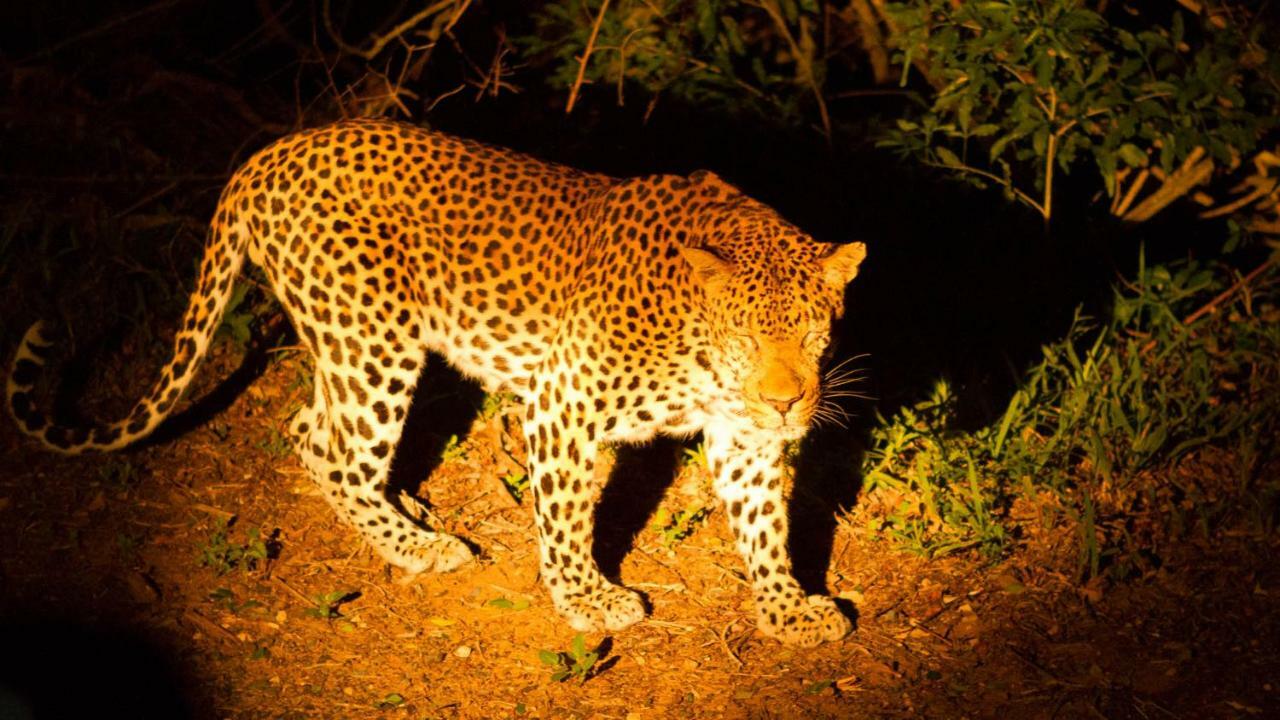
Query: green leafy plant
(577,662)
(1025,90)
(453,450)
(222,555)
(246,305)
(516,483)
(495,403)
(672,527)
(224,598)
(390,700)
(237,319)
(502,603)
(764,57)
(276,444)
(118,473)
(1173,370)
(325,606)
(697,456)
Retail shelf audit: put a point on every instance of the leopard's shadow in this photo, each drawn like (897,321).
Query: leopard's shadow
(827,482)
(640,477)
(444,406)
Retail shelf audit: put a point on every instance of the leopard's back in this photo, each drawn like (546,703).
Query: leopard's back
(364,223)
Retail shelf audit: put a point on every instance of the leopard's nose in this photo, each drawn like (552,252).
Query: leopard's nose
(782,401)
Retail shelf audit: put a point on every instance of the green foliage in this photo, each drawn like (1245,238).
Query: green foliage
(237,319)
(276,444)
(577,662)
(224,598)
(245,306)
(1016,91)
(719,53)
(325,606)
(672,527)
(495,403)
(945,503)
(118,473)
(697,456)
(1103,407)
(1025,89)
(222,555)
(517,484)
(453,450)
(391,700)
(502,603)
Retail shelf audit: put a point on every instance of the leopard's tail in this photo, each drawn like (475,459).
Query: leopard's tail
(224,254)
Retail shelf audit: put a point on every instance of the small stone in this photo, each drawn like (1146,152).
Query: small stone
(141,589)
(462,651)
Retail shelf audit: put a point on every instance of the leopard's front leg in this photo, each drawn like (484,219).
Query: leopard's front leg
(566,485)
(755,487)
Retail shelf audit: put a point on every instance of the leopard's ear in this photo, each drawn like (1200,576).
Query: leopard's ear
(709,270)
(841,264)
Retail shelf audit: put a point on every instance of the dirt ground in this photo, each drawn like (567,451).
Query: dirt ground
(107,609)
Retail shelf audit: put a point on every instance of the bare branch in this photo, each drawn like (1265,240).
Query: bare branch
(586,57)
(804,63)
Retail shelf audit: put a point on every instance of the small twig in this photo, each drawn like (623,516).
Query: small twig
(586,57)
(622,63)
(210,510)
(994,178)
(1193,171)
(1050,156)
(210,627)
(379,43)
(112,24)
(877,92)
(309,602)
(1123,206)
(1043,670)
(445,96)
(1258,192)
(872,42)
(723,636)
(147,199)
(803,62)
(918,625)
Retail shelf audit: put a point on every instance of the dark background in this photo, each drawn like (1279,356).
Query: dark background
(111,108)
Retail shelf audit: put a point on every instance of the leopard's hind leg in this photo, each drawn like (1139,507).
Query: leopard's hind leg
(355,423)
(310,431)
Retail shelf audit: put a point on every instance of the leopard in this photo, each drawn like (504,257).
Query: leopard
(615,309)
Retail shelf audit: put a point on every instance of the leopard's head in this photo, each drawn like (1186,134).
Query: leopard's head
(770,303)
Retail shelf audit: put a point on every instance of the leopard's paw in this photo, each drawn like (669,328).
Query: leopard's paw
(432,552)
(606,607)
(805,622)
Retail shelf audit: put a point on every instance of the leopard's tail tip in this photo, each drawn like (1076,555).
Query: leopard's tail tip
(25,369)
